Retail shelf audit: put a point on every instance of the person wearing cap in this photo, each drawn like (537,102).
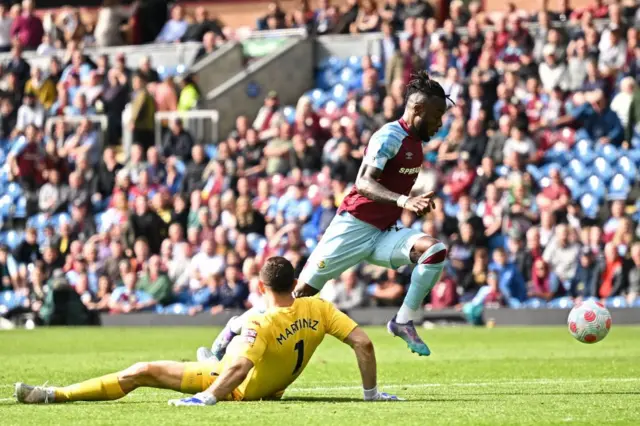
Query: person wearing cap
(552,72)
(269,117)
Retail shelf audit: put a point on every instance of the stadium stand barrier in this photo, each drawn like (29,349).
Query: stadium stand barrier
(289,71)
(162,55)
(202,124)
(100,119)
(377,316)
(218,67)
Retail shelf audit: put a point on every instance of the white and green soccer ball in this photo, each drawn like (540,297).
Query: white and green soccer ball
(589,322)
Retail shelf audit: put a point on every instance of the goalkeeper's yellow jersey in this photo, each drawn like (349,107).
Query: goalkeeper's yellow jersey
(280,344)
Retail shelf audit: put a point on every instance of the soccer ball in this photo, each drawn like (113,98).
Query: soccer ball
(589,322)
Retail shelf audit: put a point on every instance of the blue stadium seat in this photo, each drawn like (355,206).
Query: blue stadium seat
(596,187)
(561,303)
(58,219)
(331,107)
(619,187)
(318,98)
(211,150)
(355,63)
(502,170)
(289,113)
(603,169)
(535,172)
(175,309)
(574,187)
(13,238)
(14,190)
(589,205)
(557,155)
(38,221)
(609,152)
(339,95)
(578,170)
(21,208)
(616,302)
(584,152)
(627,167)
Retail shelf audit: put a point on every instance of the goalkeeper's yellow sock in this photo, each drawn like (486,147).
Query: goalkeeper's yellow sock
(105,388)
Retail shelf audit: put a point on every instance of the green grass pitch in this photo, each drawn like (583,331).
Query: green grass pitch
(499,376)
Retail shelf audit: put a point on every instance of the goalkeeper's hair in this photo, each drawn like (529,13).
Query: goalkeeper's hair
(423,84)
(277,273)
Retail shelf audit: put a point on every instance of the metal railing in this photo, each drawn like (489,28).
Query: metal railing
(99,118)
(201,124)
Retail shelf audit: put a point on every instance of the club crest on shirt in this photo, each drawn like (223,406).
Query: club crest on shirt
(409,155)
(250,335)
(322,264)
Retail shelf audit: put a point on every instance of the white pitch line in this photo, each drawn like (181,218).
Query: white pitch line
(452,384)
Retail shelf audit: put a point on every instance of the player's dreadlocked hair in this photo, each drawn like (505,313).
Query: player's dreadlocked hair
(422,83)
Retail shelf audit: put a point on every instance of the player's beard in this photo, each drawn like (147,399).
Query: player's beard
(423,131)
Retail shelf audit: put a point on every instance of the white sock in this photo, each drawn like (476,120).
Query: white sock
(405,314)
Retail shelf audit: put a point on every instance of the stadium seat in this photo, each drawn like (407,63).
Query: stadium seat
(14,190)
(574,187)
(619,187)
(627,167)
(355,63)
(175,309)
(535,172)
(39,221)
(596,187)
(339,95)
(616,302)
(561,303)
(535,303)
(578,170)
(289,113)
(211,150)
(609,152)
(21,208)
(583,152)
(13,238)
(589,205)
(603,169)
(318,98)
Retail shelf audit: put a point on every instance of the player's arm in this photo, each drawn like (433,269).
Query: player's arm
(340,326)
(230,378)
(367,184)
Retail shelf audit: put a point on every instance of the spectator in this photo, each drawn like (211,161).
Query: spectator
(54,195)
(539,287)
(44,89)
(189,94)
(195,170)
(562,257)
(387,292)
(28,251)
(18,66)
(634,275)
(209,45)
(145,69)
(178,141)
(6,22)
(128,298)
(367,20)
(205,265)
(155,283)
(403,64)
(27,28)
(106,176)
(143,111)
(114,98)
(461,179)
(144,222)
(556,196)
(611,282)
(599,122)
(84,142)
(294,207)
(586,281)
(203,24)
(510,282)
(30,113)
(175,28)
(8,118)
(278,151)
(248,220)
(108,30)
(346,292)
(621,103)
(27,160)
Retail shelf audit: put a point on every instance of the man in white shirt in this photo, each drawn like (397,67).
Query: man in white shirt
(205,264)
(30,112)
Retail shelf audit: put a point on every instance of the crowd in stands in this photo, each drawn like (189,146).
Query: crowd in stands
(540,105)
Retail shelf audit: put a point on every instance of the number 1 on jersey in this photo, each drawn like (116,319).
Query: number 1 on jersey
(300,349)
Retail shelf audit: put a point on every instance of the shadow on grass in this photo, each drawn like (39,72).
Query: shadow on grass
(299,399)
(551,393)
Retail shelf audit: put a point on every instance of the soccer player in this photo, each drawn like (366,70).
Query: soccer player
(365,229)
(272,351)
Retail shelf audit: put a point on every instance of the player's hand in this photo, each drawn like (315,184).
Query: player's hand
(422,204)
(382,396)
